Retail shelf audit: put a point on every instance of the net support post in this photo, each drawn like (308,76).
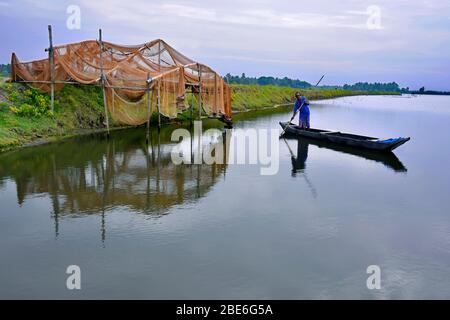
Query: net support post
(103,80)
(215,93)
(199,92)
(51,62)
(158,98)
(191,106)
(159,56)
(159,104)
(149,104)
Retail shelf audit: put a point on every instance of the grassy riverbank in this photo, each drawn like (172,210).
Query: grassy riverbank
(25,117)
(255,97)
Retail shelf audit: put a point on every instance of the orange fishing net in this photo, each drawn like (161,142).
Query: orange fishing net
(137,79)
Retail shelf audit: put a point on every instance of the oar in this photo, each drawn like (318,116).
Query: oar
(319,81)
(295,113)
(289,123)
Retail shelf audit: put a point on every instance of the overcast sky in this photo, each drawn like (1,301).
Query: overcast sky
(349,41)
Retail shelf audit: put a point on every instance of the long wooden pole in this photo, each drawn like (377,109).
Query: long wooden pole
(140,88)
(159,56)
(215,93)
(191,106)
(159,103)
(103,80)
(200,92)
(51,59)
(112,101)
(159,86)
(149,104)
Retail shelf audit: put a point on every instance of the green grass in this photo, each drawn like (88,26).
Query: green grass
(16,130)
(254,97)
(79,108)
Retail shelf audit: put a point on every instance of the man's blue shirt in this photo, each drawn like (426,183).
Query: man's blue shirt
(304,111)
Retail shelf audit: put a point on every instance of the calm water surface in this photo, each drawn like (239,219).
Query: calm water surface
(140,227)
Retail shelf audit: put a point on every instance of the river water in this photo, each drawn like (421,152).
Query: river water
(139,226)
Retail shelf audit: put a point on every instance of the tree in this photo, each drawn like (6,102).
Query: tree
(227,77)
(5,69)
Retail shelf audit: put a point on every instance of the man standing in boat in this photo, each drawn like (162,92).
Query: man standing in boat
(302,103)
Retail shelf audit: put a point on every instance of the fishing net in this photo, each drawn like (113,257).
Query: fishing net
(138,80)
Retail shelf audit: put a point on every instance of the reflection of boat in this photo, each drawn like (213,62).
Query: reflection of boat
(389,159)
(348,139)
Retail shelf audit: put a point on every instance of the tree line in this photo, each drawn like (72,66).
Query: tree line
(5,70)
(376,86)
(297,83)
(263,81)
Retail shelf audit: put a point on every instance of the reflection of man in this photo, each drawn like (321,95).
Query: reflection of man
(301,105)
(299,162)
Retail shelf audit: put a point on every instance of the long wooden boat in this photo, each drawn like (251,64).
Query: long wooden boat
(347,139)
(389,159)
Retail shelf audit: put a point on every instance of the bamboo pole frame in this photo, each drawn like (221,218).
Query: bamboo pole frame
(103,82)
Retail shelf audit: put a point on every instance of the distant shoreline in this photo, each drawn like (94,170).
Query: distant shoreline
(431,93)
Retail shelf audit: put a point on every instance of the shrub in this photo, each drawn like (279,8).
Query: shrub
(31,104)
(14,96)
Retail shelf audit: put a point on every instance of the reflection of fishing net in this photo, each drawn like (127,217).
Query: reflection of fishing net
(130,97)
(114,173)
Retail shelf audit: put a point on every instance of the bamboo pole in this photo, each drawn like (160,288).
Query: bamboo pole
(159,86)
(215,93)
(159,104)
(159,56)
(191,106)
(149,104)
(140,88)
(13,67)
(47,82)
(199,92)
(51,60)
(158,163)
(112,101)
(192,141)
(103,80)
(147,193)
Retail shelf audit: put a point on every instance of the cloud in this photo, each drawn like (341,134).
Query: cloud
(139,12)
(264,37)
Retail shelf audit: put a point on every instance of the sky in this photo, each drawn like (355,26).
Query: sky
(348,41)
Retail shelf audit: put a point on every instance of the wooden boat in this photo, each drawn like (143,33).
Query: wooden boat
(389,159)
(347,139)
